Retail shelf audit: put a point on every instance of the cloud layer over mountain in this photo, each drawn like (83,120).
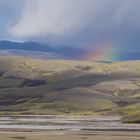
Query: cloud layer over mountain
(79,22)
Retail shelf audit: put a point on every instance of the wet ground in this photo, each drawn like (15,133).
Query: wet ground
(67,128)
(67,123)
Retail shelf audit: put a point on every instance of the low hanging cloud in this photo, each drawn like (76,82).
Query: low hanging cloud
(59,20)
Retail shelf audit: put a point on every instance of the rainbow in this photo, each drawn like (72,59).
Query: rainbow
(104,52)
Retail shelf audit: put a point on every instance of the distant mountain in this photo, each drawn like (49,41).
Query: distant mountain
(34,54)
(32,46)
(66,52)
(45,51)
(124,56)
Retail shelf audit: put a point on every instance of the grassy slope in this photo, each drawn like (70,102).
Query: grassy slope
(62,86)
(131,113)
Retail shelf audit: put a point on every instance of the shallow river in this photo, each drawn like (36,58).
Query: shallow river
(68,123)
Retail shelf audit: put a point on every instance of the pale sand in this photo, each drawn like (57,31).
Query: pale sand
(59,135)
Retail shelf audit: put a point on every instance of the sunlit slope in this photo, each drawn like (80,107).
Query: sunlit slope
(25,64)
(36,86)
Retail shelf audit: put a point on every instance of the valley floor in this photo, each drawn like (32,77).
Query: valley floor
(69,136)
(56,127)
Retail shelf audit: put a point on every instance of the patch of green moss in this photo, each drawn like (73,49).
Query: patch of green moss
(132,117)
(135,96)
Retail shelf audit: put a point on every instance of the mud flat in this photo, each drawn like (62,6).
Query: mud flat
(55,135)
(67,128)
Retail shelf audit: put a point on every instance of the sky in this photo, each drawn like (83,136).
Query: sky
(91,24)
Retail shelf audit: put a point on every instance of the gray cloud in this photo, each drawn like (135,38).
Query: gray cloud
(76,21)
(9,13)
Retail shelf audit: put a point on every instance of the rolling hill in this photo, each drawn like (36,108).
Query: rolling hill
(35,86)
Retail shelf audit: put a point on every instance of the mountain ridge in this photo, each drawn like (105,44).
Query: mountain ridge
(68,52)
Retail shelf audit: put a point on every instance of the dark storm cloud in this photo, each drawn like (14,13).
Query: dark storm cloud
(72,22)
